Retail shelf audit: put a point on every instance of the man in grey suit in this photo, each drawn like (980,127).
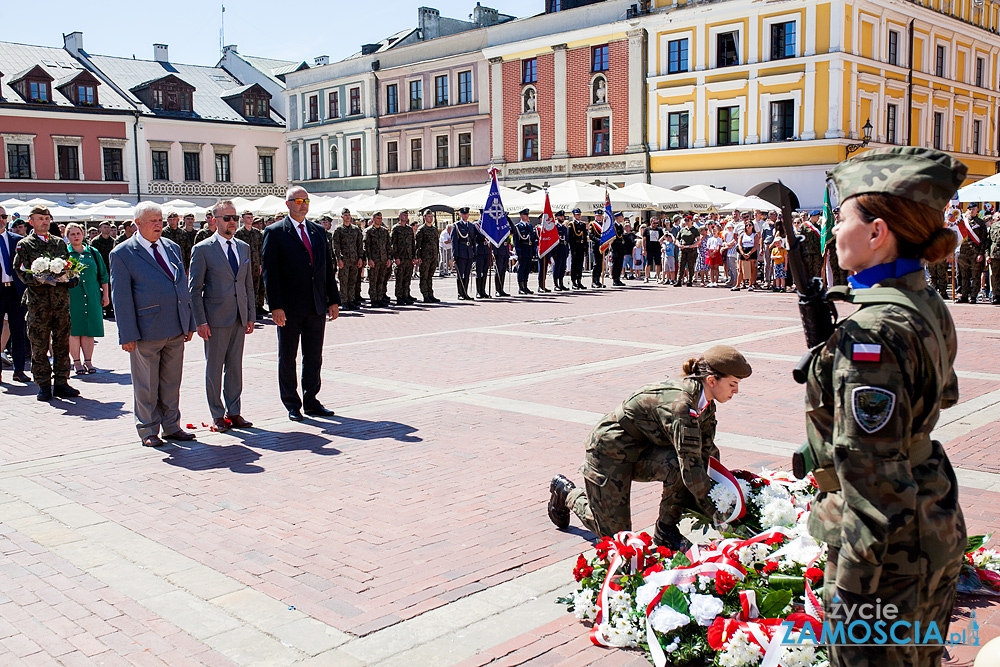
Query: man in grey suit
(222,299)
(153,310)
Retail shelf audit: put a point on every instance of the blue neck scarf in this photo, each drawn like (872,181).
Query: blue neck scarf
(876,274)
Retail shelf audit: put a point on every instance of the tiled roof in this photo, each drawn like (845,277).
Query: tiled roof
(18,59)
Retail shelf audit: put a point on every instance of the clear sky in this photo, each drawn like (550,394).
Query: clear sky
(293,31)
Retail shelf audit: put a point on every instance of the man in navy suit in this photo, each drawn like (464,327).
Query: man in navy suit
(302,292)
(11,293)
(149,289)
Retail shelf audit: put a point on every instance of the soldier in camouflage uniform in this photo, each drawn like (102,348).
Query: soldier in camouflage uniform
(207,228)
(173,231)
(839,274)
(971,256)
(128,229)
(811,251)
(888,503)
(402,249)
(428,252)
(993,259)
(255,239)
(104,243)
(377,251)
(47,302)
(664,432)
(348,244)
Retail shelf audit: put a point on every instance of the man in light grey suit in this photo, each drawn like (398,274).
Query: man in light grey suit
(224,306)
(153,310)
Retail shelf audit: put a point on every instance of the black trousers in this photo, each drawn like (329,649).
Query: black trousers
(500,271)
(598,275)
(523,264)
(463,267)
(309,329)
(483,272)
(543,268)
(10,305)
(576,256)
(689,258)
(559,262)
(617,260)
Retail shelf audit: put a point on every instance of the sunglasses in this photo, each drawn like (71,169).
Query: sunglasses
(229,218)
(3,216)
(299,201)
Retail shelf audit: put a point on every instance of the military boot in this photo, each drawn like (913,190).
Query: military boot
(63,390)
(559,489)
(44,392)
(667,535)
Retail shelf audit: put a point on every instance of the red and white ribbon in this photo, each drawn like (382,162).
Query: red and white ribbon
(629,539)
(720,475)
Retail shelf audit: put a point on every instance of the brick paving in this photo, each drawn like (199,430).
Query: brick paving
(426,489)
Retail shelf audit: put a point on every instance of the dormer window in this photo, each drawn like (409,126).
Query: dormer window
(252,102)
(33,85)
(256,107)
(38,91)
(86,94)
(167,94)
(80,88)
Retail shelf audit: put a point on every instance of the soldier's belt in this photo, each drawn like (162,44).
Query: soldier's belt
(828,482)
(628,425)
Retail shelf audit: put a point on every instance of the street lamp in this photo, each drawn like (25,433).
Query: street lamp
(867,129)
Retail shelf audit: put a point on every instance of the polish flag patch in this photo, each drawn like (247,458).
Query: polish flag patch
(866,352)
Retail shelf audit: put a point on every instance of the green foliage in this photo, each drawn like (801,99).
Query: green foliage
(774,604)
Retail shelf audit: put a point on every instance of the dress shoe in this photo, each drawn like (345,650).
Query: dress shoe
(558,511)
(486,295)
(295,415)
(428,300)
(221,425)
(670,537)
(238,422)
(63,390)
(410,301)
(434,299)
(22,377)
(318,411)
(544,289)
(619,283)
(180,436)
(153,441)
(44,392)
(502,293)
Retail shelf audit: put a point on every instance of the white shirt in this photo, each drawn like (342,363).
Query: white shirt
(144,242)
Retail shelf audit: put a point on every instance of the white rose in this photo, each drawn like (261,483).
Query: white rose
(57,265)
(40,265)
(704,608)
(665,619)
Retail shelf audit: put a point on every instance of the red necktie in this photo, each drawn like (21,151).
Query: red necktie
(305,239)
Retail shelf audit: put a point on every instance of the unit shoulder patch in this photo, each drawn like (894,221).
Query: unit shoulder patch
(872,407)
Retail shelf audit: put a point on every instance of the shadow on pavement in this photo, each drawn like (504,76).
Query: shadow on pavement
(200,456)
(89,409)
(284,442)
(361,429)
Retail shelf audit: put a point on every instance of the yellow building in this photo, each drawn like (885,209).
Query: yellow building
(744,92)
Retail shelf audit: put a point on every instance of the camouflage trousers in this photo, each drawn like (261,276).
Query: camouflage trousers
(426,270)
(378,277)
(995,279)
(922,599)
(258,288)
(404,274)
(604,505)
(970,274)
(350,281)
(939,277)
(49,325)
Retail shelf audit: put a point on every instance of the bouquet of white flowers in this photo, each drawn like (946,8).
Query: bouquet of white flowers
(56,269)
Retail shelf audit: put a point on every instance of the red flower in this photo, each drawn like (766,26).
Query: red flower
(582,569)
(724,582)
(799,620)
(655,567)
(665,552)
(777,538)
(646,539)
(814,574)
(770,566)
(721,630)
(603,547)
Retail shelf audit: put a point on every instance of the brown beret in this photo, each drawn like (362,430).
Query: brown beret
(40,210)
(727,360)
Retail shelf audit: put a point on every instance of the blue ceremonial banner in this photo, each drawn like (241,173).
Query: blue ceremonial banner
(493,222)
(608,226)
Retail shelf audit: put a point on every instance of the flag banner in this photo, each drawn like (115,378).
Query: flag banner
(608,226)
(966,229)
(548,235)
(493,222)
(826,237)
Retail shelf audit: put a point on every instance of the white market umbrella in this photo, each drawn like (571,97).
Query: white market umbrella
(751,203)
(12,202)
(666,199)
(109,212)
(178,203)
(417,200)
(269,205)
(331,206)
(475,199)
(577,194)
(987,189)
(374,203)
(715,195)
(117,203)
(38,201)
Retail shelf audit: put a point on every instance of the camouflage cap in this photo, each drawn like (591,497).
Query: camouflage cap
(921,175)
(727,360)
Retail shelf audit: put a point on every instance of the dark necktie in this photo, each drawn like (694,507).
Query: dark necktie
(305,240)
(162,262)
(6,256)
(233,262)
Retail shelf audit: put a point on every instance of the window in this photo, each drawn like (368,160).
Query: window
(19,160)
(392,156)
(782,120)
(333,104)
(416,95)
(161,171)
(728,126)
(256,106)
(313,108)
(171,94)
(464,87)
(265,165)
(416,154)
(600,134)
(980,69)
(355,101)
(441,145)
(938,126)
(334,160)
(441,91)
(599,58)
(977,129)
(69,165)
(677,56)
(392,98)
(783,40)
(529,142)
(222,173)
(192,166)
(465,149)
(355,157)
(941,54)
(726,54)
(677,129)
(314,170)
(529,70)
(157,97)
(38,91)
(86,94)
(893,47)
(113,170)
(890,123)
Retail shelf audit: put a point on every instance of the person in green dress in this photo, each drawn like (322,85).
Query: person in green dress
(86,301)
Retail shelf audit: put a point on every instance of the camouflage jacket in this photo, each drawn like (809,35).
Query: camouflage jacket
(377,244)
(402,242)
(810,242)
(203,233)
(348,243)
(37,293)
(993,243)
(426,242)
(252,237)
(666,414)
(971,249)
(184,239)
(104,246)
(871,393)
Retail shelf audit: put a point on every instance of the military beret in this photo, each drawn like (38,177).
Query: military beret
(378,213)
(727,360)
(464,209)
(523,211)
(922,175)
(345,211)
(619,214)
(576,210)
(40,210)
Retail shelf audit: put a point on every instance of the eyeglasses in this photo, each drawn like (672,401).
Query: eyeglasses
(3,216)
(299,201)
(229,218)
